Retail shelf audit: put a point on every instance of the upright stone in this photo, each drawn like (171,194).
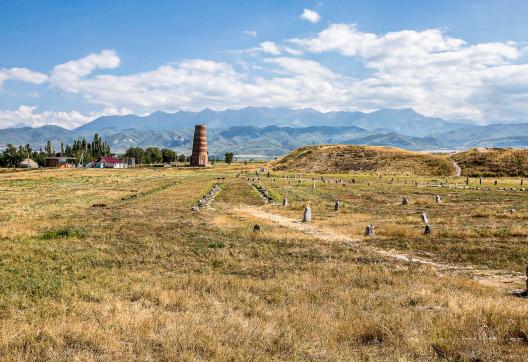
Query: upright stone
(285,202)
(424,218)
(437,199)
(369,231)
(307,216)
(337,205)
(313,185)
(405,201)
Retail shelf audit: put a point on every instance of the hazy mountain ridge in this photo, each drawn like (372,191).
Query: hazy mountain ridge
(275,131)
(404,121)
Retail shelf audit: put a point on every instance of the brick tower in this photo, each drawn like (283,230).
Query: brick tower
(199,150)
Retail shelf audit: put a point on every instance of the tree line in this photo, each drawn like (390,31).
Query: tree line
(81,150)
(152,155)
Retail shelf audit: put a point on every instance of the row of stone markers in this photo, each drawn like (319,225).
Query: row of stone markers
(206,200)
(264,193)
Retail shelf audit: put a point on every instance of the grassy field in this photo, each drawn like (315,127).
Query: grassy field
(114,265)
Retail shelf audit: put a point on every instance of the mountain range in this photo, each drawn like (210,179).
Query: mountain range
(274,131)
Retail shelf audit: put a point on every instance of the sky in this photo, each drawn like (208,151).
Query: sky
(68,62)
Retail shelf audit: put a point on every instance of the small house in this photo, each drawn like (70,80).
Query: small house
(60,162)
(110,162)
(28,163)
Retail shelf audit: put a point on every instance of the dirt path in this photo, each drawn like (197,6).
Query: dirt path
(497,278)
(458,169)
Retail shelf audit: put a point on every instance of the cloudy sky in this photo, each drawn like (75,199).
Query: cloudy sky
(67,62)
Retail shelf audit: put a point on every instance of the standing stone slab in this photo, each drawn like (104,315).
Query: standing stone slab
(307,216)
(437,199)
(337,206)
(405,201)
(369,230)
(285,202)
(424,218)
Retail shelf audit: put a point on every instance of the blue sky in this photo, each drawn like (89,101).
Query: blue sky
(67,62)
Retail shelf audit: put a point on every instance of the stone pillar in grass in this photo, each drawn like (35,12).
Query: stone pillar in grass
(307,215)
(437,199)
(427,229)
(369,230)
(337,206)
(405,201)
(285,202)
(313,185)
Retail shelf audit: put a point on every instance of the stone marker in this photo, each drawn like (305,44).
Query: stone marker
(285,202)
(268,174)
(437,199)
(424,218)
(313,185)
(480,181)
(405,201)
(369,231)
(256,228)
(495,182)
(337,205)
(307,216)
(522,181)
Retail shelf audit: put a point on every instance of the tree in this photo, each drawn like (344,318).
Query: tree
(136,153)
(168,155)
(99,147)
(229,157)
(153,155)
(12,156)
(182,158)
(49,150)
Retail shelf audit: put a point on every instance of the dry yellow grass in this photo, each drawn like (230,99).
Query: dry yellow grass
(370,159)
(143,278)
(493,162)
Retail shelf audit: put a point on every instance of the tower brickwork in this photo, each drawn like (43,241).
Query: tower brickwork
(199,155)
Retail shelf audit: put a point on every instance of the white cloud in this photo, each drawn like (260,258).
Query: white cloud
(66,75)
(266,47)
(27,116)
(304,67)
(311,15)
(251,33)
(427,70)
(22,74)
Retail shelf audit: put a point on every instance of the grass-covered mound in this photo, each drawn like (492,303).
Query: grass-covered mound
(493,162)
(370,159)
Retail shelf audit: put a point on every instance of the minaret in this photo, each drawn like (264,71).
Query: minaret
(199,150)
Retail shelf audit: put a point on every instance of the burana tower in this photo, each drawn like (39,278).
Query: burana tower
(199,150)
